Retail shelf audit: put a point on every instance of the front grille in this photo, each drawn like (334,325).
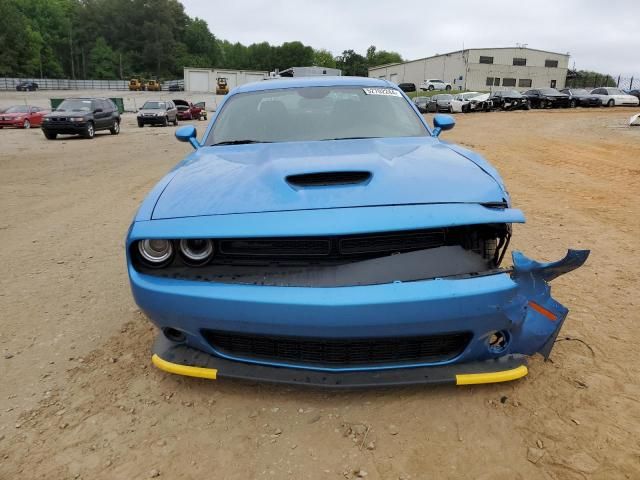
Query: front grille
(278,247)
(323,179)
(339,352)
(391,242)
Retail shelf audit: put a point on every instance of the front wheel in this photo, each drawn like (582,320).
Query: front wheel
(175,121)
(89,131)
(430,87)
(542,104)
(140,124)
(573,104)
(26,124)
(448,87)
(115,129)
(611,103)
(165,121)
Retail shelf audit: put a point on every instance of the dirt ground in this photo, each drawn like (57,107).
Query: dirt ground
(80,399)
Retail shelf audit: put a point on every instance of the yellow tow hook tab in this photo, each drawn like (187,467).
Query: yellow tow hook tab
(200,372)
(491,377)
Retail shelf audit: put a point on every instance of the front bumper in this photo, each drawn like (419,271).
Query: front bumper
(70,128)
(516,304)
(151,120)
(180,359)
(11,123)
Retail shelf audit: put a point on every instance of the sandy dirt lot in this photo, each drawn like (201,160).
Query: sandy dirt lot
(80,399)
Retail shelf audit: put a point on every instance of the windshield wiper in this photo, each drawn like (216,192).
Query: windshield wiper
(240,142)
(346,138)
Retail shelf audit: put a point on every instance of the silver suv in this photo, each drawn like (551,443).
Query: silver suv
(157,112)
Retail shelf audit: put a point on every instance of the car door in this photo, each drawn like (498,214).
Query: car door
(101,114)
(172,111)
(35,115)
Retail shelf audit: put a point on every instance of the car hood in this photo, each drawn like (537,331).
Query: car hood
(181,103)
(253,178)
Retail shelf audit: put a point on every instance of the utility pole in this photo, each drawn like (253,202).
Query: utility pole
(84,70)
(121,76)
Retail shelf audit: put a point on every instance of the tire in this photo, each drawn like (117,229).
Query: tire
(26,124)
(611,103)
(140,124)
(573,104)
(542,104)
(165,121)
(115,129)
(89,131)
(430,87)
(175,121)
(50,135)
(448,87)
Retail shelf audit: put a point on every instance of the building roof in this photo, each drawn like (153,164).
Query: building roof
(467,50)
(318,81)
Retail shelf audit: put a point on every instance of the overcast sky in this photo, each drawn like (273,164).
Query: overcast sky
(599,35)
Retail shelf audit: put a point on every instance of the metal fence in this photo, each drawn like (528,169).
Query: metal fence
(576,80)
(69,84)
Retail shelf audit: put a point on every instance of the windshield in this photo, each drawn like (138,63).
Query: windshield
(75,105)
(579,91)
(17,109)
(154,106)
(511,93)
(315,113)
(549,91)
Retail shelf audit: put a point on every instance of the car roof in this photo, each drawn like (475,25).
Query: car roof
(319,81)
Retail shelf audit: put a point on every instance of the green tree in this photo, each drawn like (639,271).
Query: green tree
(382,57)
(323,58)
(293,54)
(102,63)
(352,63)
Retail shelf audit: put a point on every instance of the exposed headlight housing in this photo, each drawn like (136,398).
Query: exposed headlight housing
(196,251)
(156,252)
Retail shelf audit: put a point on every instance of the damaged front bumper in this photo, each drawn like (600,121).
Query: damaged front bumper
(503,315)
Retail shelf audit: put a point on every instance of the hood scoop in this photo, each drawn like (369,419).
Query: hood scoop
(328,179)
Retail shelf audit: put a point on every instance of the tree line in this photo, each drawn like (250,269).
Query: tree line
(111,39)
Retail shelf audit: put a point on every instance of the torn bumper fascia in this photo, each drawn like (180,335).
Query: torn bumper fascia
(537,330)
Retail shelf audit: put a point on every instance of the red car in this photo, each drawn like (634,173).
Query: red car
(22,116)
(189,111)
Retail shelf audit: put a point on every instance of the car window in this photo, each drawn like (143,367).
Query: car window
(154,105)
(75,105)
(315,113)
(17,109)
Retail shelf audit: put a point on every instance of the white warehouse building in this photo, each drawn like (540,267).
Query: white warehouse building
(206,79)
(483,69)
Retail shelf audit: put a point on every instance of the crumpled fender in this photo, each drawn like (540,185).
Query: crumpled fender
(537,330)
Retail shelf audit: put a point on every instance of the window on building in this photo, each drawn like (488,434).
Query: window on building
(524,83)
(489,81)
(496,82)
(521,62)
(486,59)
(508,82)
(551,63)
(552,84)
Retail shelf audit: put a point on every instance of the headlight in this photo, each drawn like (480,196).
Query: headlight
(77,119)
(45,119)
(156,252)
(196,251)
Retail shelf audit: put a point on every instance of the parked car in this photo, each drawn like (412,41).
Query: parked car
(579,97)
(547,97)
(22,116)
(157,112)
(190,111)
(323,234)
(27,85)
(435,84)
(421,103)
(440,103)
(176,87)
(407,87)
(635,93)
(509,100)
(614,97)
(470,102)
(82,116)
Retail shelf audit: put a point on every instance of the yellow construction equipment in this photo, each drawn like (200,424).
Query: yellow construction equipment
(136,85)
(222,88)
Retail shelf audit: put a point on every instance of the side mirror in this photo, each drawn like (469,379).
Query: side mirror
(441,123)
(188,133)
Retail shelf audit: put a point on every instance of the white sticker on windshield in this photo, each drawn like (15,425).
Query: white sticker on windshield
(381,91)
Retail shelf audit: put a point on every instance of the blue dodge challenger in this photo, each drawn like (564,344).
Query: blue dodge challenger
(321,233)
